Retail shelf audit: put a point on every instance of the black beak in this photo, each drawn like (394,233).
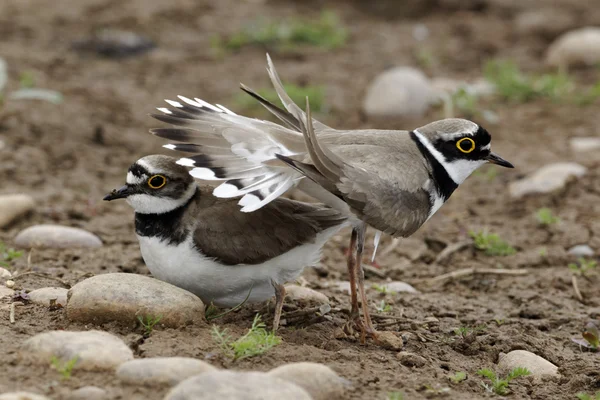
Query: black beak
(120,193)
(496,159)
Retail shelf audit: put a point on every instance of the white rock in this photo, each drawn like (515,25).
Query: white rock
(578,47)
(95,350)
(320,381)
(44,295)
(585,144)
(399,287)
(537,365)
(161,370)
(546,179)
(88,393)
(581,250)
(10,283)
(4,291)
(94,300)
(232,385)
(13,206)
(57,237)
(22,396)
(304,294)
(4,273)
(398,92)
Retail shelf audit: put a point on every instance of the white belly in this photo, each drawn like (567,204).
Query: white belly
(227,285)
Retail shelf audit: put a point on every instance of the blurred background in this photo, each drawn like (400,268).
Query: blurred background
(79,78)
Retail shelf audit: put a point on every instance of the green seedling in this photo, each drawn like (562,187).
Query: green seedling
(298,94)
(499,322)
(257,341)
(383,289)
(326,32)
(395,396)
(589,96)
(590,337)
(466,331)
(383,307)
(7,255)
(545,217)
(26,92)
(543,252)
(433,391)
(26,80)
(458,377)
(583,267)
(148,322)
(500,385)
(425,58)
(64,368)
(585,396)
(491,244)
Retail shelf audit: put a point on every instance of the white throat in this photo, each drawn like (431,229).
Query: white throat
(147,204)
(458,170)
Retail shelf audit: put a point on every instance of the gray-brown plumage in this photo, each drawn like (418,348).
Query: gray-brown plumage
(204,244)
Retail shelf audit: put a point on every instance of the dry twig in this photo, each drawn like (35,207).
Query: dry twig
(12,310)
(576,288)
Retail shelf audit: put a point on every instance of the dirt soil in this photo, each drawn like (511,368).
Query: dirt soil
(68,156)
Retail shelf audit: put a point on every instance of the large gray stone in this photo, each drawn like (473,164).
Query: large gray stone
(56,237)
(398,92)
(232,385)
(13,206)
(123,297)
(575,48)
(161,370)
(94,350)
(320,381)
(304,294)
(547,179)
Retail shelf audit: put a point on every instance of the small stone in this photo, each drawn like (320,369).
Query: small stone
(123,297)
(94,350)
(5,292)
(585,144)
(537,365)
(44,296)
(389,340)
(233,385)
(22,396)
(10,283)
(88,393)
(411,360)
(13,206)
(4,273)
(320,381)
(114,43)
(580,47)
(546,179)
(581,250)
(398,92)
(56,237)
(304,294)
(398,287)
(161,370)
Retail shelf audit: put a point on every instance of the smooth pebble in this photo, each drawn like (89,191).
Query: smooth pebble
(43,296)
(580,47)
(233,385)
(161,370)
(95,350)
(585,144)
(4,273)
(581,250)
(22,396)
(320,381)
(389,340)
(88,393)
(398,287)
(411,360)
(13,206)
(547,179)
(304,294)
(56,237)
(398,92)
(537,365)
(123,297)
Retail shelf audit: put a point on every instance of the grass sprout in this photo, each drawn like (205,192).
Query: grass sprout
(395,396)
(546,217)
(583,266)
(499,385)
(383,307)
(8,255)
(148,322)
(255,342)
(326,32)
(64,368)
(585,396)
(491,244)
(458,377)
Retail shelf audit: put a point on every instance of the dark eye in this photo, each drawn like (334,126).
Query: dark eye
(466,145)
(157,181)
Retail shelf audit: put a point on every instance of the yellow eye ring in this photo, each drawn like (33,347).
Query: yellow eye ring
(157,185)
(471,142)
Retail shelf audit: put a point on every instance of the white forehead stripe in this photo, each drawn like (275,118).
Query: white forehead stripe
(487,147)
(151,170)
(134,180)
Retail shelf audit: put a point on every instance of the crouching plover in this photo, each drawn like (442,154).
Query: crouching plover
(204,244)
(392,180)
